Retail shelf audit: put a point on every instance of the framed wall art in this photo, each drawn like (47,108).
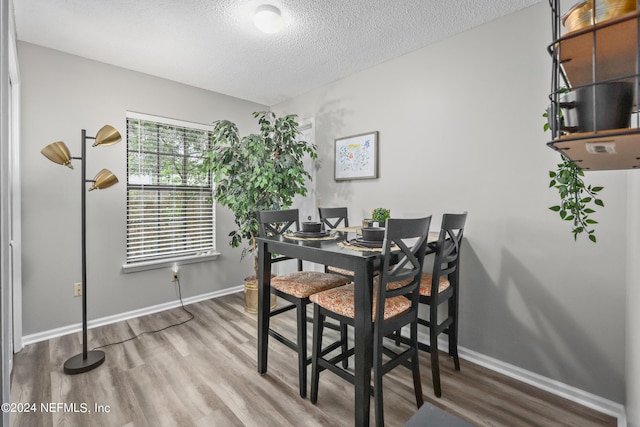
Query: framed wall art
(356,157)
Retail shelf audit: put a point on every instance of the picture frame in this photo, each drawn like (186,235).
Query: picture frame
(356,157)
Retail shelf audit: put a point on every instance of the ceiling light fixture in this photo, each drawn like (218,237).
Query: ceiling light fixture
(268,19)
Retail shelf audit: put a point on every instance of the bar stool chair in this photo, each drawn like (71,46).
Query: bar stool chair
(332,218)
(393,308)
(434,293)
(295,288)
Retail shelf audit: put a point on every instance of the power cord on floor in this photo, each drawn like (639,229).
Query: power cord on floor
(191,317)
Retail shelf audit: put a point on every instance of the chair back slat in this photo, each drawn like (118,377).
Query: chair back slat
(448,250)
(277,222)
(333,217)
(406,239)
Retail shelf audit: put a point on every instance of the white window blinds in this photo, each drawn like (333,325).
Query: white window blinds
(169,208)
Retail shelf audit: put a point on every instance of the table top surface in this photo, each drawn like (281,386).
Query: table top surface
(323,245)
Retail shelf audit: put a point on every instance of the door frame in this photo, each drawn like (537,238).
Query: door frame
(15,200)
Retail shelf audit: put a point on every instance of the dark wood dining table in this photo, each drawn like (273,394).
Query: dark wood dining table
(326,252)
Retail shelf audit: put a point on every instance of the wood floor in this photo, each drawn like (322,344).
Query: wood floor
(203,373)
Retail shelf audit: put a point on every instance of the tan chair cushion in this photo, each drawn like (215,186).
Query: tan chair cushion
(348,272)
(425,284)
(342,301)
(340,271)
(301,284)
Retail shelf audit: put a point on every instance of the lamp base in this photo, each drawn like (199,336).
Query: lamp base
(78,364)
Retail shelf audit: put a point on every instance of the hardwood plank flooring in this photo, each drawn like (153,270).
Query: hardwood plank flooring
(203,373)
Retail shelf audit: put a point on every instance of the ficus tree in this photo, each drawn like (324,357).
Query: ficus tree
(259,171)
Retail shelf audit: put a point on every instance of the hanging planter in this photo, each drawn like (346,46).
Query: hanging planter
(599,107)
(577,200)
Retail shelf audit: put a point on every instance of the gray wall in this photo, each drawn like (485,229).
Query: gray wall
(460,127)
(633,302)
(62,94)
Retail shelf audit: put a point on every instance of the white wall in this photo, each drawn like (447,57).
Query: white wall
(62,94)
(460,126)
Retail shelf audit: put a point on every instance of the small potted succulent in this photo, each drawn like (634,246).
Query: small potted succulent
(379,216)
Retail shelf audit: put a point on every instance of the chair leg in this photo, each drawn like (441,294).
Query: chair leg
(345,343)
(397,336)
(377,381)
(453,334)
(302,347)
(453,347)
(415,365)
(318,329)
(435,367)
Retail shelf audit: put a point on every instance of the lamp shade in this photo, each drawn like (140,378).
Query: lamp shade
(107,135)
(104,179)
(58,152)
(268,19)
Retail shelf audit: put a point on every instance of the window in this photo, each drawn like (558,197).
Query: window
(169,209)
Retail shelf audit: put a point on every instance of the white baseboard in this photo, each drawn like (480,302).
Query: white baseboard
(77,327)
(574,394)
(547,384)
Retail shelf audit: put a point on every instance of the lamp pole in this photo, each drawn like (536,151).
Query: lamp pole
(58,152)
(87,360)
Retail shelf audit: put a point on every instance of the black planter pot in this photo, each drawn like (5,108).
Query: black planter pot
(613,102)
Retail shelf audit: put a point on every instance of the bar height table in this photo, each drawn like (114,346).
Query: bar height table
(326,252)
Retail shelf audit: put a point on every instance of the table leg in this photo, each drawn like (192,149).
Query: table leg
(264,303)
(363,341)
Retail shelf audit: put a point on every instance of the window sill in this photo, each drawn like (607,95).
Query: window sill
(170,262)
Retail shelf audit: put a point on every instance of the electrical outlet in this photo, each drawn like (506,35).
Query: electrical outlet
(174,274)
(77,289)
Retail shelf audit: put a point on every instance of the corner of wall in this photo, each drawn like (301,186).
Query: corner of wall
(632,351)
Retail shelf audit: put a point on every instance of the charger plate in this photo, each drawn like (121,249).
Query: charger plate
(301,235)
(356,246)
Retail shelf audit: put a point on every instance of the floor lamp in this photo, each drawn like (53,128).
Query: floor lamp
(58,153)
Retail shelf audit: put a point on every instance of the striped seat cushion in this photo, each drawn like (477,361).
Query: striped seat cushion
(301,284)
(342,301)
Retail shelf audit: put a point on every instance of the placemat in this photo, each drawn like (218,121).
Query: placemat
(332,236)
(355,247)
(433,237)
(348,229)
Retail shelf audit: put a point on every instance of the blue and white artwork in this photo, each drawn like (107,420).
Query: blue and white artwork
(356,157)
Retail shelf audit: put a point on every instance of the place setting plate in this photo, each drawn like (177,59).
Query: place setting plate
(311,234)
(359,241)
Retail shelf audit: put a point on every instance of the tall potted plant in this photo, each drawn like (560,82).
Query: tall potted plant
(255,172)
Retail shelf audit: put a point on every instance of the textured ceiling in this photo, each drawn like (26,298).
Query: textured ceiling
(213,44)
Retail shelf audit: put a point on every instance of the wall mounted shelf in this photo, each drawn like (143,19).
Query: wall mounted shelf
(601,53)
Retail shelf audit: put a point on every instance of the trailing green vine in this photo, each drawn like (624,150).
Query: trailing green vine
(577,200)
